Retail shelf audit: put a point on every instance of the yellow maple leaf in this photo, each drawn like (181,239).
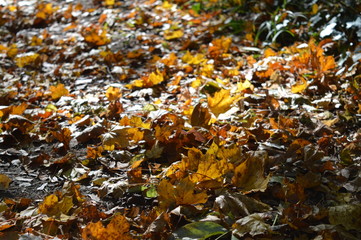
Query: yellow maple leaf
(26,59)
(48,205)
(190,59)
(109,2)
(153,79)
(58,91)
(244,85)
(300,86)
(221,101)
(169,35)
(183,193)
(4,182)
(113,93)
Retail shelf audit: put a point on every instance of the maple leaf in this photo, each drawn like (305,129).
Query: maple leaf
(58,91)
(190,59)
(249,175)
(113,93)
(169,35)
(153,79)
(26,59)
(118,228)
(220,102)
(300,86)
(182,194)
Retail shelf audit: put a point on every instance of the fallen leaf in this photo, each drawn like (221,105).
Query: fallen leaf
(221,102)
(58,91)
(4,182)
(250,174)
(113,93)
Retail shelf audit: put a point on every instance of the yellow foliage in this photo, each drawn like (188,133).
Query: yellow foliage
(58,91)
(183,193)
(109,2)
(146,82)
(113,93)
(221,102)
(4,182)
(190,59)
(26,59)
(169,35)
(300,86)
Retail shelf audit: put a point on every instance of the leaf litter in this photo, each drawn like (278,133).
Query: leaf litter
(148,120)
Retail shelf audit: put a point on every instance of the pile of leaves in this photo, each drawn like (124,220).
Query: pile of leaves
(159,120)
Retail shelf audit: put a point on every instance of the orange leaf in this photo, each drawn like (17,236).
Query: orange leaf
(58,91)
(118,228)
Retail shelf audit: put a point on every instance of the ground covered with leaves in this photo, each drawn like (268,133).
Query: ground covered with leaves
(180,119)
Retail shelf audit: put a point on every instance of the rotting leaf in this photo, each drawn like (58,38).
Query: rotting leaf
(253,225)
(346,215)
(201,117)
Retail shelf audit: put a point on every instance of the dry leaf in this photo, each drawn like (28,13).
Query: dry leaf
(221,102)
(58,91)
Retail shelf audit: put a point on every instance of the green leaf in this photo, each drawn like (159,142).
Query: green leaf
(199,230)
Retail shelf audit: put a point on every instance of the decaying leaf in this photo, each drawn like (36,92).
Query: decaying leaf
(253,225)
(346,215)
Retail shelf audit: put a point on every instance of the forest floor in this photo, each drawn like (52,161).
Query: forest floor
(152,120)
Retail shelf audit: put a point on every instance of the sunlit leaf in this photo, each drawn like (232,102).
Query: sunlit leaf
(169,35)
(109,2)
(190,59)
(221,101)
(26,59)
(300,86)
(58,91)
(118,228)
(113,93)
(182,193)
